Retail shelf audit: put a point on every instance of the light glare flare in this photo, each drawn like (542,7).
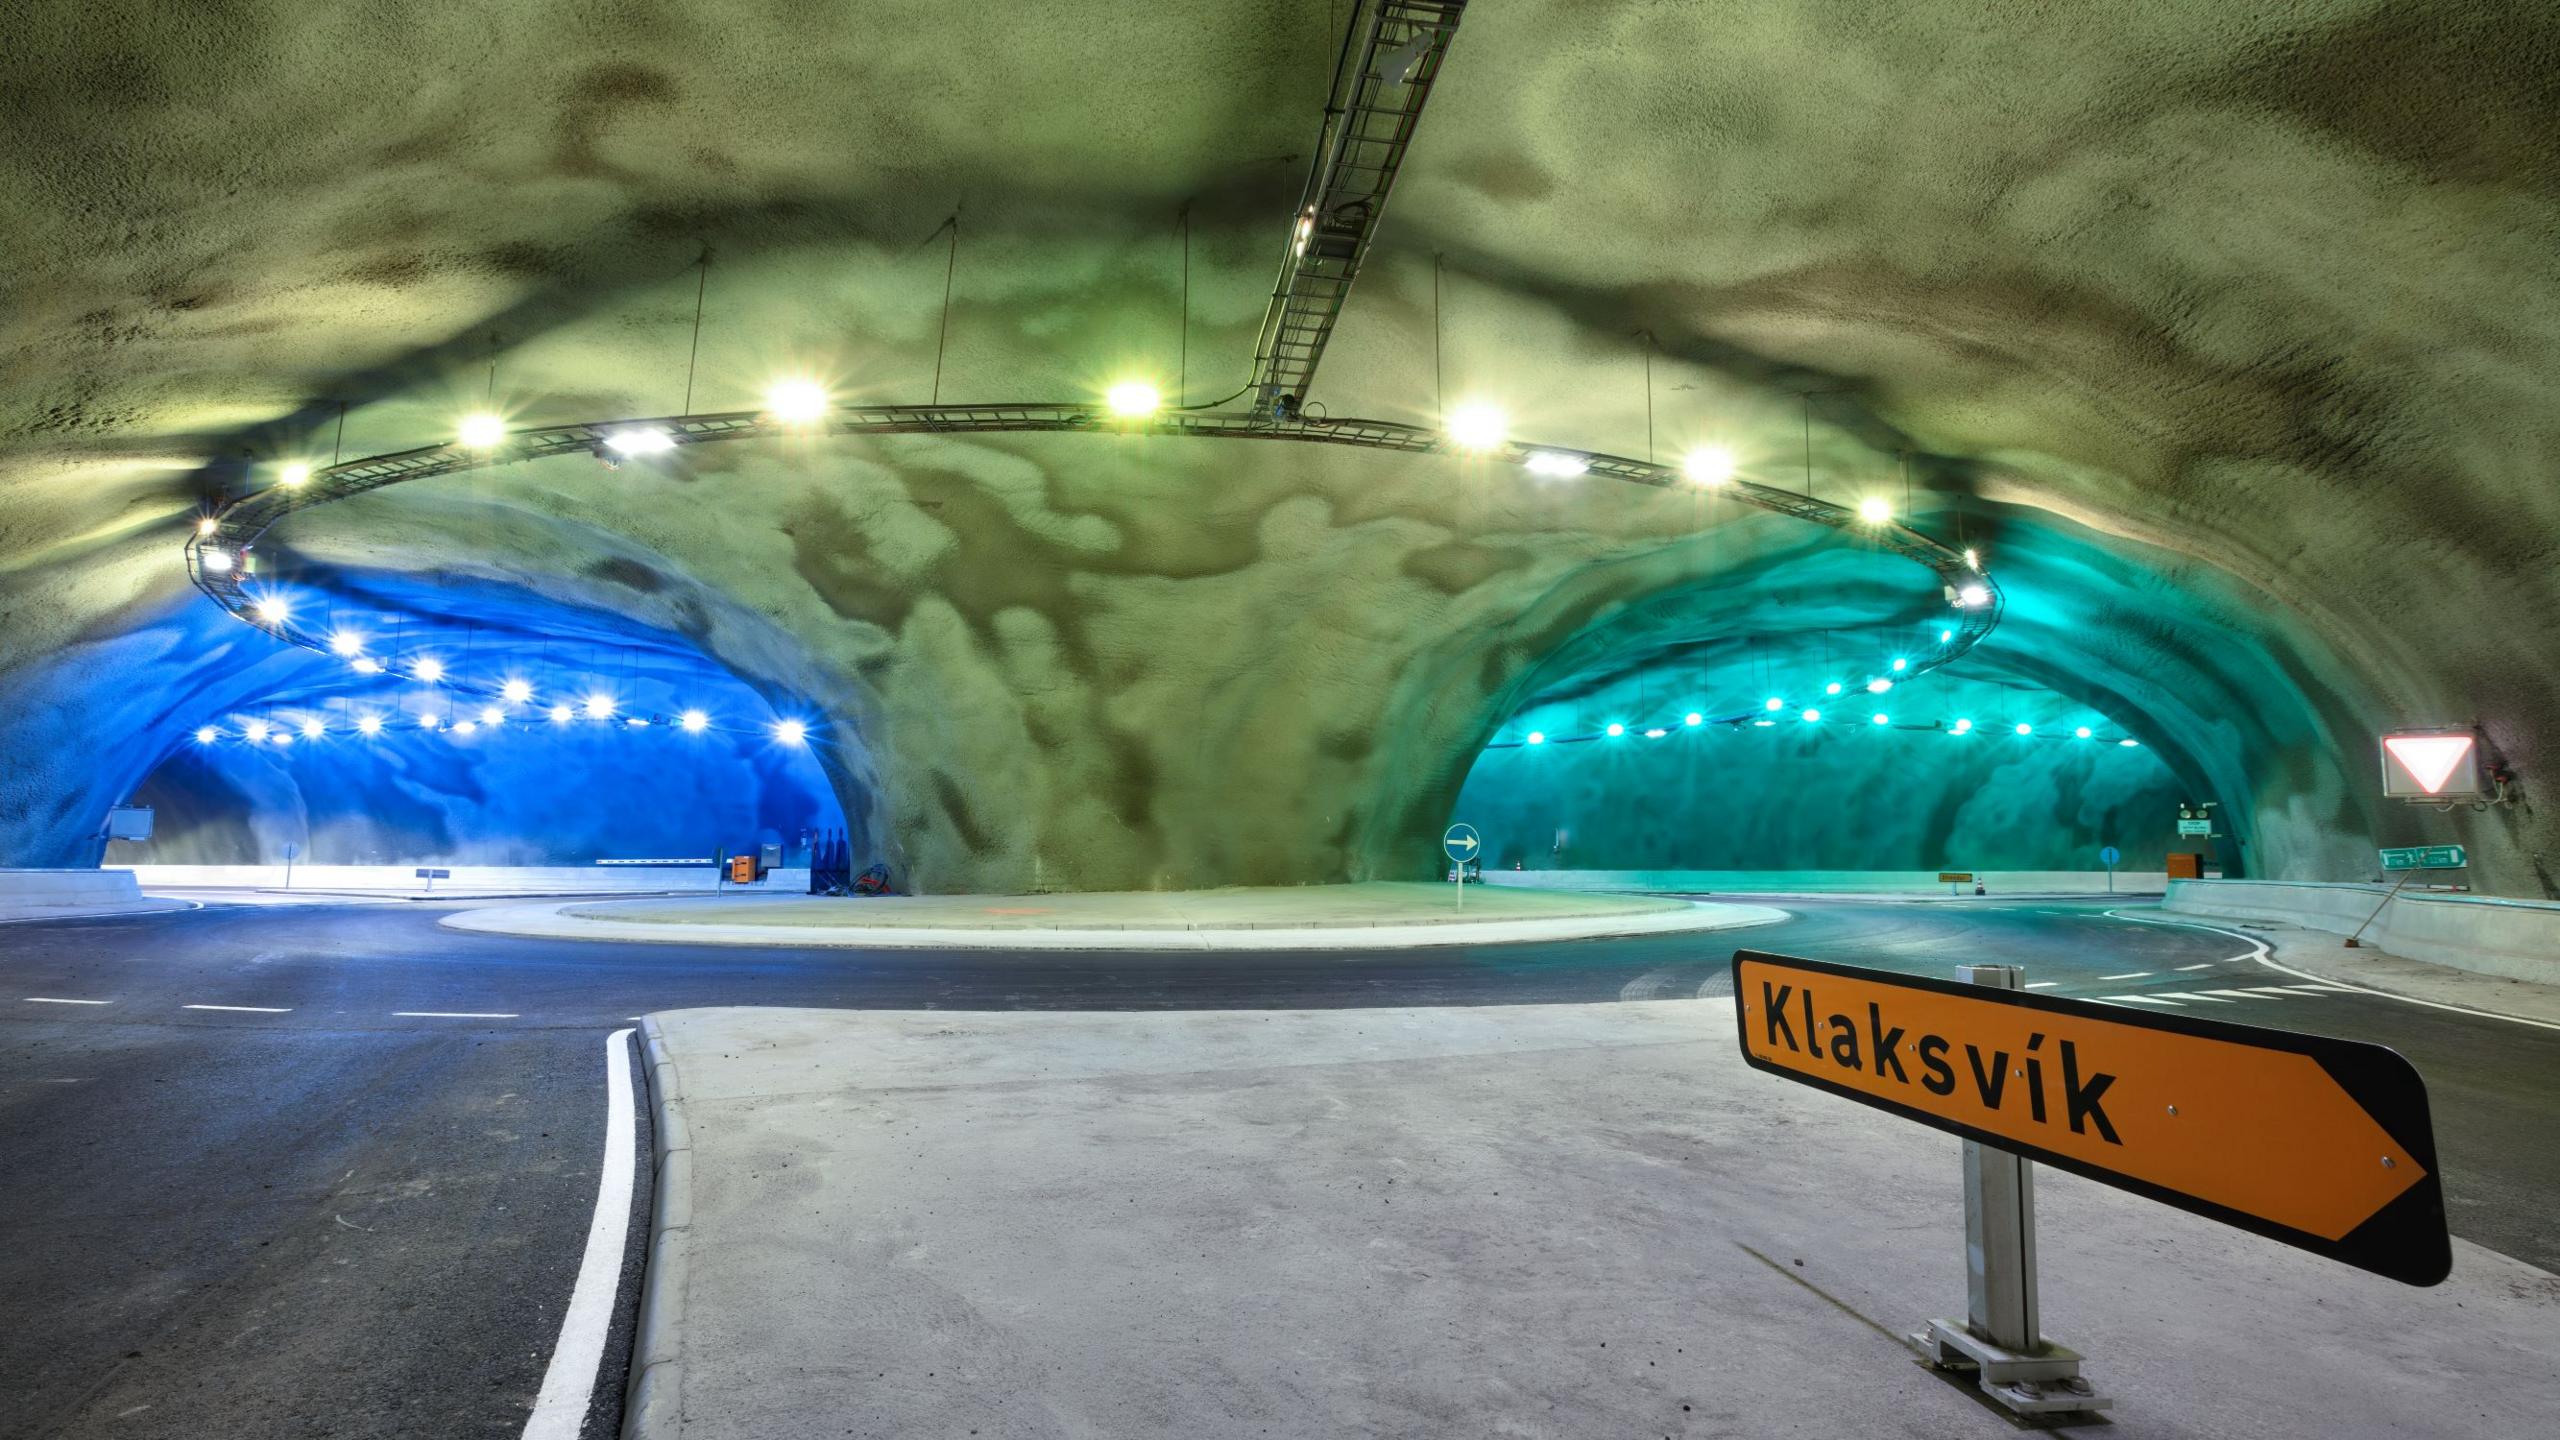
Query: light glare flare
(1133,399)
(1879,685)
(1875,510)
(1617,729)
(367,665)
(517,691)
(368,725)
(1537,737)
(797,401)
(216,561)
(480,431)
(1882,718)
(206,734)
(561,714)
(2025,729)
(1478,427)
(599,706)
(1972,596)
(206,524)
(255,732)
(492,715)
(294,476)
(1708,465)
(430,670)
(790,732)
(643,441)
(312,729)
(346,644)
(1557,465)
(1811,716)
(1693,718)
(274,611)
(694,722)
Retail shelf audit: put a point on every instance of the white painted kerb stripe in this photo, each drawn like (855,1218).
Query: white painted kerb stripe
(560,1412)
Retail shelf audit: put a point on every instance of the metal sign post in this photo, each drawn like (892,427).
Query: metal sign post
(2108,857)
(2002,1340)
(290,850)
(1461,843)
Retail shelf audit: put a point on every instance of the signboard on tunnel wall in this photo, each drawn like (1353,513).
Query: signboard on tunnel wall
(2319,1143)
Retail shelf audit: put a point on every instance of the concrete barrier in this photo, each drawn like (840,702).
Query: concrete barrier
(2485,934)
(39,892)
(465,880)
(1830,882)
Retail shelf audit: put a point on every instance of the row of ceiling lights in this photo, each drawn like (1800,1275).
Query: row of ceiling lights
(1810,715)
(492,718)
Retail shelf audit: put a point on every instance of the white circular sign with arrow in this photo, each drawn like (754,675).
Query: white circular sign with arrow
(1461,843)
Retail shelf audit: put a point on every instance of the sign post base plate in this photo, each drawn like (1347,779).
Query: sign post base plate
(2047,1382)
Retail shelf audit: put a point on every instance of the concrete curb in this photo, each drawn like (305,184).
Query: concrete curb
(552,922)
(652,1402)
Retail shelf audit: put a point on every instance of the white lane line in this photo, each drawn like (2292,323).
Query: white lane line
(2142,1000)
(2243,994)
(2042,984)
(2193,995)
(2311,989)
(245,1009)
(2259,952)
(2273,992)
(560,1411)
(456,1014)
(2129,975)
(52,1000)
(2209,964)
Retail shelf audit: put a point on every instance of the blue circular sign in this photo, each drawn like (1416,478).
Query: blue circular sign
(1461,843)
(2110,855)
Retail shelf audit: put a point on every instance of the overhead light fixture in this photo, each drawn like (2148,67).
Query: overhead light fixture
(1900,664)
(207,734)
(797,401)
(1762,724)
(1831,689)
(638,722)
(517,691)
(207,524)
(1708,465)
(1693,718)
(1945,635)
(1775,704)
(465,727)
(346,644)
(366,665)
(368,725)
(492,715)
(1879,685)
(1478,426)
(1972,596)
(1961,727)
(1537,737)
(1875,510)
(1656,733)
(1557,464)
(1973,559)
(1617,729)
(282,737)
(1132,400)
(428,721)
(645,440)
(274,611)
(255,732)
(562,714)
(429,669)
(294,476)
(1882,718)
(2080,734)
(790,732)
(2129,742)
(480,431)
(599,706)
(217,561)
(2025,729)
(694,722)
(1811,716)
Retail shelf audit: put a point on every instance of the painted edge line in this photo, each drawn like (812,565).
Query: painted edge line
(2265,955)
(457,1014)
(245,1009)
(55,1000)
(569,1383)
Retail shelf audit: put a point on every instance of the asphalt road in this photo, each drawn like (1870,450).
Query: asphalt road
(323,1216)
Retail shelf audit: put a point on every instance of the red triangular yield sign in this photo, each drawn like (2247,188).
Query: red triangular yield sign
(2428,758)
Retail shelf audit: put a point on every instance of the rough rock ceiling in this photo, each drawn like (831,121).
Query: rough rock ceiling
(2269,287)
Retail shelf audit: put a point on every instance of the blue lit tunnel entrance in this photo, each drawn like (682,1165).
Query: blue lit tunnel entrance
(473,723)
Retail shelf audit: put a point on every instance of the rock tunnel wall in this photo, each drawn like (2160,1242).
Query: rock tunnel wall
(2231,330)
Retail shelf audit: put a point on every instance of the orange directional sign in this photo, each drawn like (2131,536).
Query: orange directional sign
(2320,1143)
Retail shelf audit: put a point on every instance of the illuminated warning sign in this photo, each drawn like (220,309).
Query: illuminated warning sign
(2444,764)
(2320,1143)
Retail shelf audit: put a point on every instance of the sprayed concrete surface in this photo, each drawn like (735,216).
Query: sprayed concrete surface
(1551,1221)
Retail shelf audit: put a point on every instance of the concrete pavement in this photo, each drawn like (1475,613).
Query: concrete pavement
(1564,1220)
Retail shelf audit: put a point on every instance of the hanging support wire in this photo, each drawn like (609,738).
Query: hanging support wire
(693,356)
(950,268)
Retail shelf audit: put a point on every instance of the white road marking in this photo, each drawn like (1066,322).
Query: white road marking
(2259,951)
(2133,975)
(560,1411)
(2273,992)
(1647,986)
(2209,964)
(2243,994)
(2142,1000)
(2042,984)
(245,1009)
(2193,995)
(50,1000)
(456,1014)
(2309,989)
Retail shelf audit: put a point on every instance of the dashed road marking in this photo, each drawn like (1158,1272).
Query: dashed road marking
(2209,964)
(456,1014)
(57,1000)
(2261,952)
(2042,984)
(2193,995)
(2129,975)
(2142,1000)
(245,1009)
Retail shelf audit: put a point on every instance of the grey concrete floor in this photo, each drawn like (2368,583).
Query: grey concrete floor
(147,1150)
